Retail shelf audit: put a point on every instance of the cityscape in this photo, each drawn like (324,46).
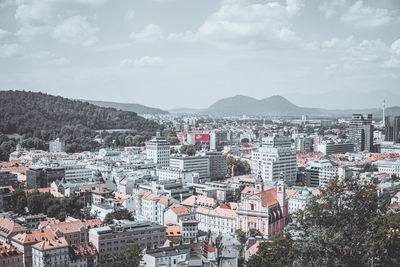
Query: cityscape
(242,139)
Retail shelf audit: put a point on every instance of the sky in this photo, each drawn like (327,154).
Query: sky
(191,53)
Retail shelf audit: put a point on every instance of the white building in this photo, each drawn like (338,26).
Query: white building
(57,145)
(218,220)
(186,218)
(320,172)
(158,150)
(199,164)
(298,199)
(168,173)
(51,252)
(390,166)
(151,207)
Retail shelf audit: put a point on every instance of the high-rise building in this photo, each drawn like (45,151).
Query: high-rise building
(57,145)
(158,150)
(39,176)
(392,129)
(362,132)
(199,164)
(219,139)
(276,157)
(217,164)
(8,178)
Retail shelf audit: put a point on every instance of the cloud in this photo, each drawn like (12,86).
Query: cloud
(246,22)
(143,61)
(9,50)
(329,8)
(362,16)
(4,34)
(76,30)
(151,33)
(130,15)
(394,60)
(49,58)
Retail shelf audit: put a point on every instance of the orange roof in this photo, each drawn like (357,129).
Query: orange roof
(218,212)
(247,190)
(52,243)
(7,250)
(179,209)
(33,236)
(48,221)
(253,249)
(83,251)
(69,227)
(268,196)
(200,201)
(7,227)
(173,229)
(45,190)
(292,192)
(95,188)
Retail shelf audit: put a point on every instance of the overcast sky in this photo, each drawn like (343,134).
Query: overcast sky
(190,53)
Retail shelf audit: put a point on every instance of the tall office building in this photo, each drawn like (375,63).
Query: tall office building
(158,150)
(392,129)
(362,132)
(276,157)
(217,164)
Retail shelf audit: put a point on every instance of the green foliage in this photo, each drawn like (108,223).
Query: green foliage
(241,167)
(131,256)
(238,192)
(189,150)
(40,118)
(245,140)
(345,226)
(118,214)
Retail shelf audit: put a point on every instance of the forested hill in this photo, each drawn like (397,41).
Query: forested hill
(43,117)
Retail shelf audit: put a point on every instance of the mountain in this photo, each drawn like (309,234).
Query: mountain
(140,109)
(274,105)
(185,110)
(391,111)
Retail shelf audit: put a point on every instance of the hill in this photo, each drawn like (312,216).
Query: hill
(391,111)
(38,118)
(274,105)
(140,109)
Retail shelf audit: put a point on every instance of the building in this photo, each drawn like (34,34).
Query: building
(186,218)
(8,229)
(361,132)
(168,173)
(392,129)
(198,164)
(328,148)
(83,255)
(217,164)
(40,176)
(113,239)
(8,178)
(51,252)
(298,199)
(10,256)
(173,256)
(151,207)
(24,242)
(274,158)
(222,219)
(264,209)
(158,150)
(303,143)
(318,173)
(219,139)
(57,145)
(5,197)
(390,166)
(76,232)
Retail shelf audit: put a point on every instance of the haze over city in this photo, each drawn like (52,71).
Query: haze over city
(186,53)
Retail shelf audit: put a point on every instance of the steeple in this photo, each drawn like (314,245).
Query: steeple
(259,186)
(281,197)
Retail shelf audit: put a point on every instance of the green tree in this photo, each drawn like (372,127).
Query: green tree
(109,218)
(131,256)
(189,150)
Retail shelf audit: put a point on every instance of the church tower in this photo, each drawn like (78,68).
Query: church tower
(259,186)
(281,197)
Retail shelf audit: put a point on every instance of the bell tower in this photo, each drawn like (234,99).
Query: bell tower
(281,196)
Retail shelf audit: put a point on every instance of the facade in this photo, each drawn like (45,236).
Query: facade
(217,164)
(219,139)
(83,255)
(328,148)
(5,197)
(186,218)
(40,176)
(8,229)
(199,164)
(158,150)
(390,166)
(10,256)
(362,132)
(318,173)
(265,210)
(8,178)
(298,199)
(392,129)
(51,252)
(218,220)
(57,145)
(167,173)
(116,238)
(171,256)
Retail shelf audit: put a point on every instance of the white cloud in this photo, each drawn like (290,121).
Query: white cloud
(130,15)
(243,21)
(49,58)
(3,34)
(151,33)
(9,50)
(362,16)
(330,8)
(394,60)
(143,61)
(76,30)
(148,61)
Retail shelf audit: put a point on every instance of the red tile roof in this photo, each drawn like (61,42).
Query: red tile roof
(33,236)
(7,227)
(179,209)
(7,250)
